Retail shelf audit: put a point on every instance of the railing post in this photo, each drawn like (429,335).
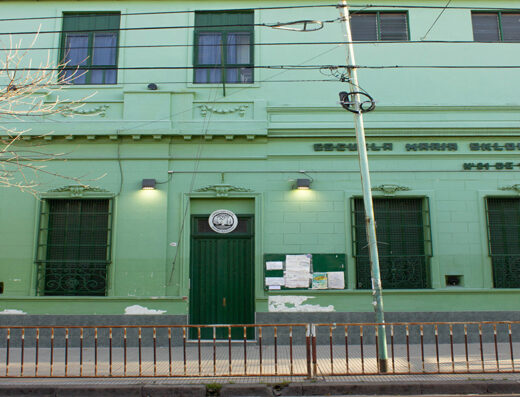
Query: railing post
(308,350)
(314,353)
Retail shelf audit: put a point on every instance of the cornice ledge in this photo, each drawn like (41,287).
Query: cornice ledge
(77,191)
(390,189)
(223,190)
(514,188)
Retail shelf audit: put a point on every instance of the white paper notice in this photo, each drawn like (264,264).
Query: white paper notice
(274,281)
(271,287)
(336,280)
(298,263)
(276,265)
(297,280)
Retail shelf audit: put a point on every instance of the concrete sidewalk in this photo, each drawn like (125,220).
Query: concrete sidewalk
(501,384)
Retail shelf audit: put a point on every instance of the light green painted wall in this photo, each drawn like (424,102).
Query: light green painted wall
(262,143)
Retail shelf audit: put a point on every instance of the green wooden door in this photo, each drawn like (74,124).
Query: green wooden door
(221,274)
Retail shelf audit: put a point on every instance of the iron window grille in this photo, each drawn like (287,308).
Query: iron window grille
(404,242)
(503,225)
(89,48)
(379,26)
(496,26)
(73,249)
(224,51)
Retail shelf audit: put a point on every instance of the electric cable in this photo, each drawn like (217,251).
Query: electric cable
(171,27)
(288,67)
(436,19)
(88,14)
(305,43)
(366,6)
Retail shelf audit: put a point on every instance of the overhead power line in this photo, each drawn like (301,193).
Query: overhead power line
(303,43)
(354,8)
(177,11)
(286,67)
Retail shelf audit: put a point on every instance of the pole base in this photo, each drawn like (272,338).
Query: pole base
(383,365)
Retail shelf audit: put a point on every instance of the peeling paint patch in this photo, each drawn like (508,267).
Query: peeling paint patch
(282,303)
(136,309)
(12,311)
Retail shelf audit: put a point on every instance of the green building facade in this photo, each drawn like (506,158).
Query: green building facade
(218,110)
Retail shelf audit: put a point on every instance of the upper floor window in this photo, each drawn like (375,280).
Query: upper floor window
(74,247)
(224,47)
(89,47)
(503,215)
(379,26)
(496,26)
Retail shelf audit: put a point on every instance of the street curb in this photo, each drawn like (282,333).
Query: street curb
(173,391)
(262,390)
(399,388)
(246,390)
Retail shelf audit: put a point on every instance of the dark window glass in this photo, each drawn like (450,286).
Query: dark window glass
(402,231)
(496,26)
(382,26)
(504,241)
(73,247)
(510,27)
(485,27)
(364,27)
(224,47)
(89,48)
(393,26)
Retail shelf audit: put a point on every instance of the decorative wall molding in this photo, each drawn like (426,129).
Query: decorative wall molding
(515,188)
(100,111)
(241,109)
(77,191)
(389,189)
(223,190)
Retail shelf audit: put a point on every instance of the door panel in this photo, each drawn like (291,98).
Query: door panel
(221,273)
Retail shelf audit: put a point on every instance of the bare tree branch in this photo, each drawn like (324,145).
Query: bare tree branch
(26,93)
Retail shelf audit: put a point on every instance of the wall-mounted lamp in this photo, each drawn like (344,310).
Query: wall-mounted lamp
(152,86)
(302,184)
(148,184)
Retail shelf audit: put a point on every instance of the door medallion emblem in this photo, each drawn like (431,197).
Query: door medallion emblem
(223,221)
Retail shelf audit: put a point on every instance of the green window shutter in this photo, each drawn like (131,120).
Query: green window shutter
(485,26)
(364,27)
(504,240)
(393,26)
(74,247)
(375,26)
(510,24)
(89,48)
(402,243)
(223,51)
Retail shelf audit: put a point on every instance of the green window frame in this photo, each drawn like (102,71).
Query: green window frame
(74,247)
(380,26)
(503,226)
(495,26)
(89,48)
(404,242)
(224,47)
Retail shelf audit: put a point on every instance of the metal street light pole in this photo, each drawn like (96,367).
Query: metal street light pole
(377,293)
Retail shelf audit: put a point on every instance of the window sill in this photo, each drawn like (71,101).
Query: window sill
(220,85)
(92,86)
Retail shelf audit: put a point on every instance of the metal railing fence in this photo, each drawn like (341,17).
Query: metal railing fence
(303,350)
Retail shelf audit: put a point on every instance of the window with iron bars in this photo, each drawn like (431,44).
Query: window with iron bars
(503,221)
(73,250)
(404,242)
